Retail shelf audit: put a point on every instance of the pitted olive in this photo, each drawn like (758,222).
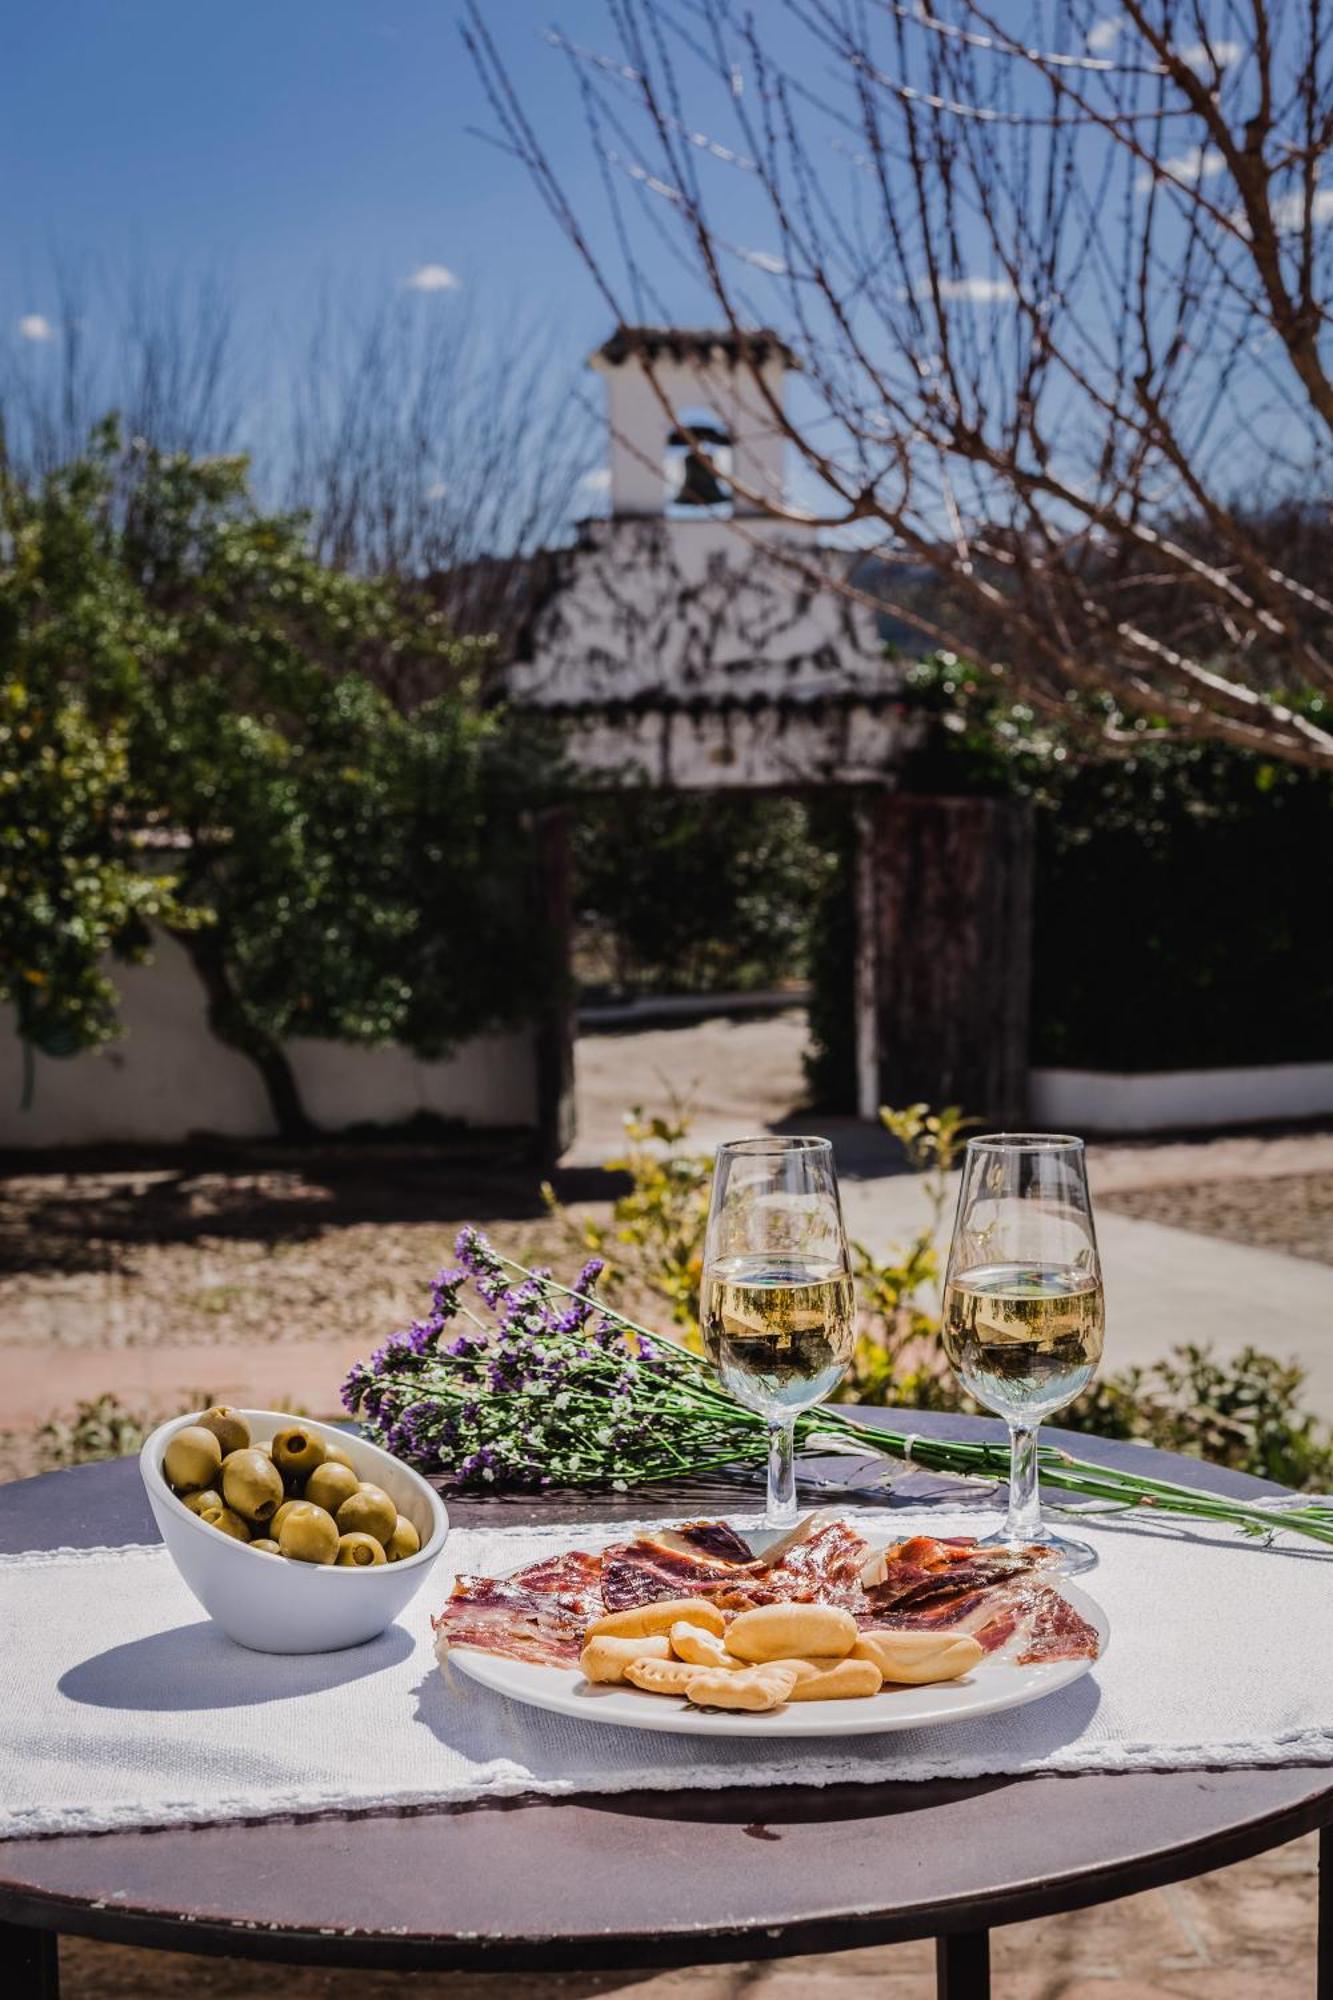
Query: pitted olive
(329,1485)
(368,1511)
(191,1459)
(251,1484)
(403,1542)
(228,1427)
(309,1534)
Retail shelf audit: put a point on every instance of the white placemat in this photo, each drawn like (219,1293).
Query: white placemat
(123,1706)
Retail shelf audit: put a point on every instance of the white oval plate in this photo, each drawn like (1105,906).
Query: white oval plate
(997,1684)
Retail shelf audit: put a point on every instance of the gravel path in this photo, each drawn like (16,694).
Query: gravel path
(1288,1212)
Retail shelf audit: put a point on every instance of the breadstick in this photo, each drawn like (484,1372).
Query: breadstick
(836,1680)
(701,1648)
(792,1631)
(649,1619)
(605,1659)
(912,1659)
(663,1676)
(754,1688)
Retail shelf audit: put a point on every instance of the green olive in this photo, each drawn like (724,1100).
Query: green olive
(329,1485)
(266,1547)
(309,1534)
(403,1542)
(230,1523)
(358,1552)
(368,1511)
(204,1501)
(275,1525)
(335,1455)
(297,1451)
(231,1431)
(251,1484)
(191,1459)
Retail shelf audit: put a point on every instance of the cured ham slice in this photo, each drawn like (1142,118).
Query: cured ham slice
(923,1572)
(538,1614)
(541,1612)
(637,1572)
(1032,1619)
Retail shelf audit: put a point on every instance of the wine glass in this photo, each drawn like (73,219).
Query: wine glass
(777,1301)
(1023,1305)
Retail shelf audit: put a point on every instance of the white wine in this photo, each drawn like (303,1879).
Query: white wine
(1025,1339)
(778,1330)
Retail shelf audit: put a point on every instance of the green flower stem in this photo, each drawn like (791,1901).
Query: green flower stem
(702,1396)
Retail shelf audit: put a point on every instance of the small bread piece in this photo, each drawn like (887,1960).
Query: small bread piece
(913,1659)
(604,1659)
(835,1680)
(792,1631)
(643,1620)
(702,1649)
(754,1688)
(662,1676)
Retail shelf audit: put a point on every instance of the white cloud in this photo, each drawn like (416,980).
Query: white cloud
(436,491)
(432,278)
(1202,56)
(597,481)
(33,326)
(766,260)
(1288,210)
(977,291)
(1102,34)
(1188,168)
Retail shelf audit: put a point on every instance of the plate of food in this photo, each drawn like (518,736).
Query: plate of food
(817,1632)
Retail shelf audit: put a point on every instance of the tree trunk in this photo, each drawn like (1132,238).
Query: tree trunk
(948,898)
(228,1020)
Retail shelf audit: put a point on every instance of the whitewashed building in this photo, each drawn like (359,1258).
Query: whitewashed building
(686,637)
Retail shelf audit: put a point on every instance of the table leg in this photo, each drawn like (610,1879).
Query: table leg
(1323,1937)
(29,1963)
(962,1967)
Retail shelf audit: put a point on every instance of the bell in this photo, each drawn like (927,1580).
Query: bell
(700,485)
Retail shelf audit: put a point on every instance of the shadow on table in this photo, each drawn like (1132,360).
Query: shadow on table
(484,1726)
(197,1666)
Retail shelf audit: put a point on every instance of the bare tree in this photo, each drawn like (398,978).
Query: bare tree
(424,446)
(1060,280)
(159,353)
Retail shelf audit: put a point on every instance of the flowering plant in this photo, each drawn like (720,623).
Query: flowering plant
(513,1380)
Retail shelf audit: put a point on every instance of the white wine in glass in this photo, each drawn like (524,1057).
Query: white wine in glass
(777,1303)
(1024,1316)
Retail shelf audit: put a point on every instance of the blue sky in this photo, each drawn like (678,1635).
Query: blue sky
(283,147)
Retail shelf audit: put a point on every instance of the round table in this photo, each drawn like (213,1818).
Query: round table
(656,1880)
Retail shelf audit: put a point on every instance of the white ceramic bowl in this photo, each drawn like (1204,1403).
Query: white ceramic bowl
(277,1606)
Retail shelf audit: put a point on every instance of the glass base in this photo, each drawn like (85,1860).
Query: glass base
(1072,1558)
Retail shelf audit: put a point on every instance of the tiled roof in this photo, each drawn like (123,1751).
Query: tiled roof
(685,343)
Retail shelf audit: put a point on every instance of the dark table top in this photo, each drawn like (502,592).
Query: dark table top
(657,1879)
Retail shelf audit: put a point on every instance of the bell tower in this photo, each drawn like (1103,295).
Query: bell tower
(691,412)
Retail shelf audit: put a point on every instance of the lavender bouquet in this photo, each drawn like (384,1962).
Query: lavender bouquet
(514,1381)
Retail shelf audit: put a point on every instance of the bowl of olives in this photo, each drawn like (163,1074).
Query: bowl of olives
(266,1516)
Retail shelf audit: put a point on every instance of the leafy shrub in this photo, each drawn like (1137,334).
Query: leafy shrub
(180,675)
(102,1428)
(694,895)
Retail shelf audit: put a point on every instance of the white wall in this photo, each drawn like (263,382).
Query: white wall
(1076,1100)
(168,1077)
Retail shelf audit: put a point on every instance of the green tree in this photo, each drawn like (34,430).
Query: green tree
(337,867)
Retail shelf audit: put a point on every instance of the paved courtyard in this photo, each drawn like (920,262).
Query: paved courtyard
(262,1283)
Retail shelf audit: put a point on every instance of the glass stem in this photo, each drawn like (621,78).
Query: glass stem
(781,1511)
(1022,1523)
